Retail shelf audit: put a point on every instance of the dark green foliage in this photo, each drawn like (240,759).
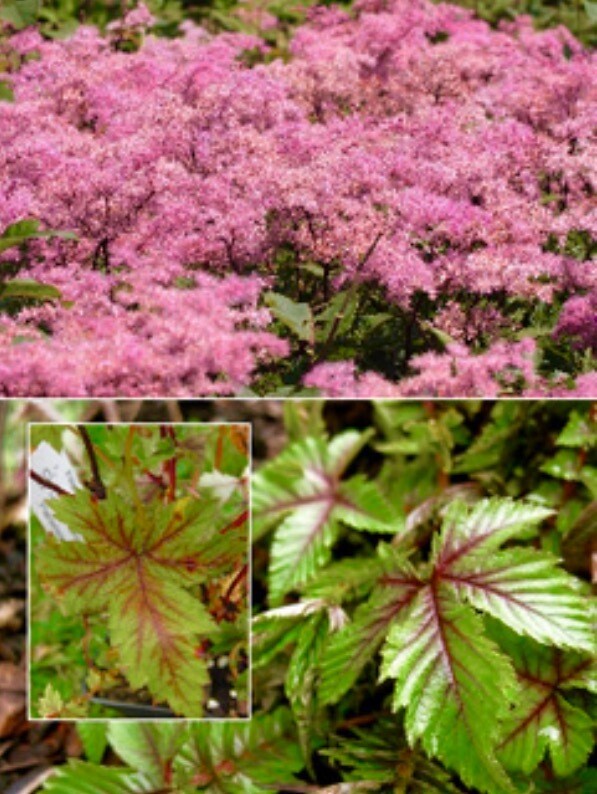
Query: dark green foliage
(219,757)
(439,598)
(580,16)
(446,649)
(16,293)
(60,17)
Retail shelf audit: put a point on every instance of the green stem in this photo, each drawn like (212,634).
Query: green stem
(350,294)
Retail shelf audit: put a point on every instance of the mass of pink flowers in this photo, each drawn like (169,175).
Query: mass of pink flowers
(463,152)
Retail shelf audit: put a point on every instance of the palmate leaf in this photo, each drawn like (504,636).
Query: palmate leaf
(312,459)
(357,643)
(304,492)
(522,588)
(255,757)
(135,563)
(453,680)
(543,718)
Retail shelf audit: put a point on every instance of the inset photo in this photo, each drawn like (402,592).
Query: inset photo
(139,585)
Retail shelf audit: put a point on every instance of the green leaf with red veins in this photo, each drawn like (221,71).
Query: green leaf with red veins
(79,777)
(544,720)
(303,492)
(156,631)
(452,679)
(523,588)
(454,684)
(297,473)
(148,748)
(527,591)
(361,505)
(352,647)
(255,757)
(484,528)
(135,562)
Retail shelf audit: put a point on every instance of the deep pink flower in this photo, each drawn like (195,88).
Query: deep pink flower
(408,147)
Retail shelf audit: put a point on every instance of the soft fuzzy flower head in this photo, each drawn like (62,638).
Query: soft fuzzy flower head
(442,167)
(139,17)
(578,320)
(341,378)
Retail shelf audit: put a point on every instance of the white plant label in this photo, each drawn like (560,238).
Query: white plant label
(57,468)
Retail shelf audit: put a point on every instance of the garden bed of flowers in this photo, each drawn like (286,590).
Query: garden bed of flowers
(401,204)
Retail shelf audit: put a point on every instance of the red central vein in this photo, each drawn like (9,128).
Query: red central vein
(317,529)
(167,646)
(100,573)
(534,715)
(460,581)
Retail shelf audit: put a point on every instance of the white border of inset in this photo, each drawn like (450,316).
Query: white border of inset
(249,610)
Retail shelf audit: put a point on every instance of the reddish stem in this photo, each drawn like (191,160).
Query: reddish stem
(48,484)
(169,466)
(96,486)
(237,579)
(235,523)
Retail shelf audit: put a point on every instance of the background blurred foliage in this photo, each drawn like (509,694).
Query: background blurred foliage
(59,18)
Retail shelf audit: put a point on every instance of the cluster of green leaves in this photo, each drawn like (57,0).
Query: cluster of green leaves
(358,323)
(15,293)
(421,578)
(160,561)
(479,639)
(221,757)
(325,323)
(60,17)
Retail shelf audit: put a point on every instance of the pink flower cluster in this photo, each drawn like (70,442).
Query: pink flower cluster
(464,151)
